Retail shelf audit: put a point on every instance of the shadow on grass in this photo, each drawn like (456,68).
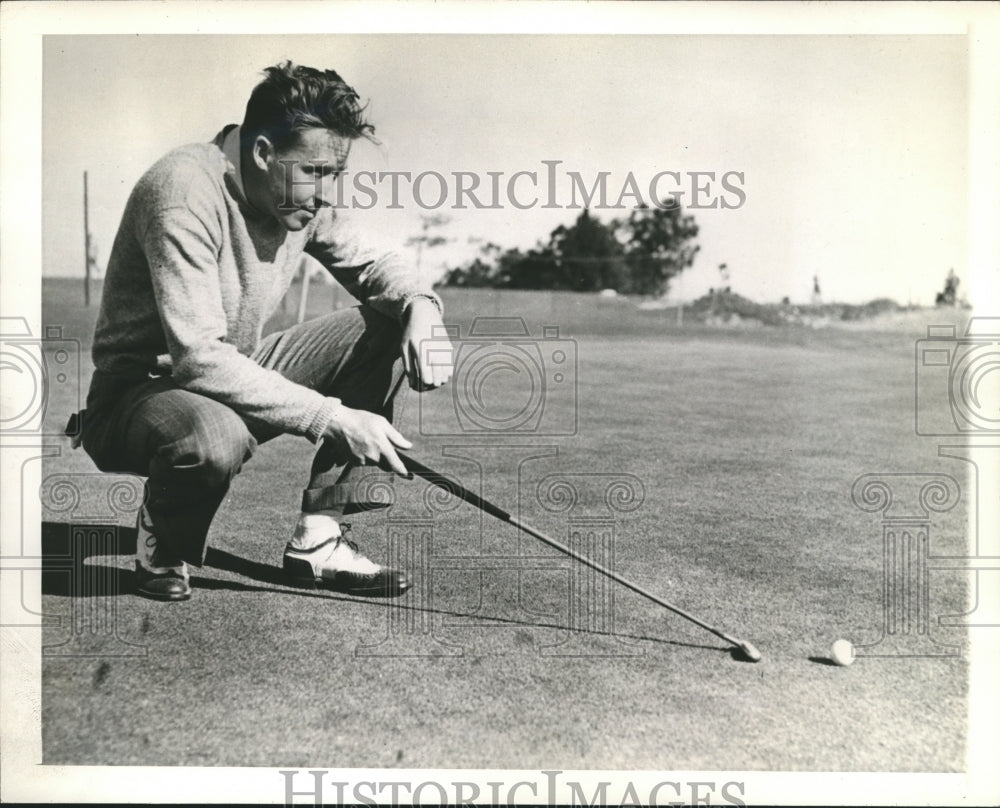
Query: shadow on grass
(66,547)
(265,573)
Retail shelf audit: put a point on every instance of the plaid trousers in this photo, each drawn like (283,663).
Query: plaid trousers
(190,447)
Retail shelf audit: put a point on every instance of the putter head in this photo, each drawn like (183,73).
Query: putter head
(748,651)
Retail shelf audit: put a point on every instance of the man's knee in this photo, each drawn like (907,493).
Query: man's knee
(372,342)
(225,457)
(212,450)
(364,326)
(379,328)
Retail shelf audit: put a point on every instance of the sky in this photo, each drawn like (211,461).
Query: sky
(852,150)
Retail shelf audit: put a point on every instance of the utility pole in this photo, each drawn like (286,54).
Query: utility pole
(86,244)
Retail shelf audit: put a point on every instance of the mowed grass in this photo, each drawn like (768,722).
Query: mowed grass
(746,444)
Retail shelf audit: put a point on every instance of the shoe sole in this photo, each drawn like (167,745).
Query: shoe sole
(325,585)
(143,581)
(181,596)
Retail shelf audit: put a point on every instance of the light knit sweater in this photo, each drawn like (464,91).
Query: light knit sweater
(195,273)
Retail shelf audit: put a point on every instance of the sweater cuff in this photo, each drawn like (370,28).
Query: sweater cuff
(431,296)
(317,426)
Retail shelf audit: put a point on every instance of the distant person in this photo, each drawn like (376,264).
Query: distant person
(951,287)
(949,297)
(185,386)
(817,296)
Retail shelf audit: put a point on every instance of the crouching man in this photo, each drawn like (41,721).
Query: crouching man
(185,387)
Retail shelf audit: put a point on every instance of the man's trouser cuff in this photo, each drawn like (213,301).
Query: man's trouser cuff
(340,497)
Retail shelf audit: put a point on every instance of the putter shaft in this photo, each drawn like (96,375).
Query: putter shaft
(454,488)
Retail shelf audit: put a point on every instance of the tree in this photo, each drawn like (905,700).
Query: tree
(476,274)
(658,246)
(536,269)
(639,255)
(588,256)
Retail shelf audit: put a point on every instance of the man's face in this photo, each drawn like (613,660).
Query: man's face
(301,177)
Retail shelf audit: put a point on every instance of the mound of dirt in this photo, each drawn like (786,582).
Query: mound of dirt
(726,308)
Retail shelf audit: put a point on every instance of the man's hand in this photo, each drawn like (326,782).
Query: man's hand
(366,438)
(426,349)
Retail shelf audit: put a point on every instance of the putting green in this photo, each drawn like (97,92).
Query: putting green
(746,447)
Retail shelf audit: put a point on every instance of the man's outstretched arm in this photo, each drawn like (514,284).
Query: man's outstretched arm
(392,286)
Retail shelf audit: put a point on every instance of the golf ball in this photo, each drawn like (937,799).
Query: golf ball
(842,652)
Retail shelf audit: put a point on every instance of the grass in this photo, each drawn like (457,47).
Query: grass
(746,444)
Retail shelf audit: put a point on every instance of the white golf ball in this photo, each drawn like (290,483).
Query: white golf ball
(842,652)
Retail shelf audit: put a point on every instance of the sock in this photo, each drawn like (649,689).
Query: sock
(312,529)
(145,550)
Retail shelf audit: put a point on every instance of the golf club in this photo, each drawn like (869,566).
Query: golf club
(454,488)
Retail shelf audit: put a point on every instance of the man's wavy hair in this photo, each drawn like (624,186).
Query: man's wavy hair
(292,98)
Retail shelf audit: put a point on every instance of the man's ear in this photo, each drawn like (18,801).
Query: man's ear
(263,152)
